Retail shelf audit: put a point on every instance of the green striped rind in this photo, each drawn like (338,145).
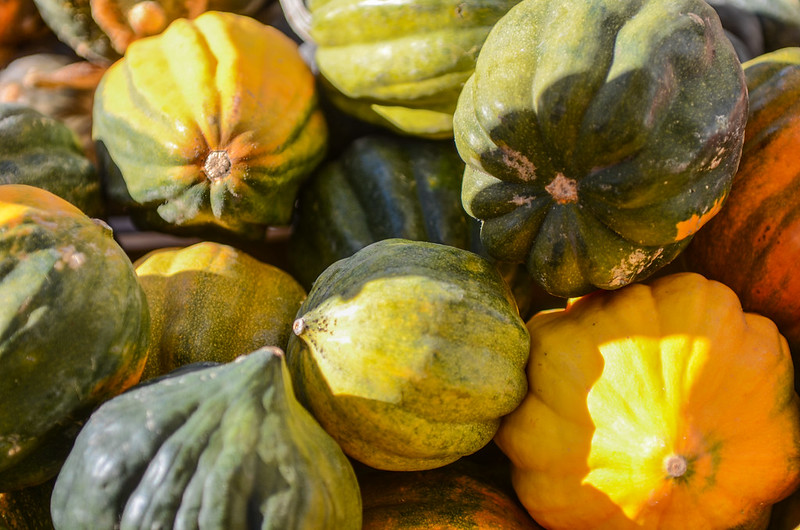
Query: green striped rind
(409,352)
(42,151)
(73,331)
(401,63)
(224,446)
(640,104)
(380,187)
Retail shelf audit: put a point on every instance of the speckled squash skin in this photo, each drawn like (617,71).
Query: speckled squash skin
(209,126)
(74,327)
(599,136)
(408,353)
(758,228)
(661,405)
(219,447)
(213,302)
(43,151)
(400,64)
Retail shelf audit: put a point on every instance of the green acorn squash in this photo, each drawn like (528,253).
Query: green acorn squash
(223,447)
(74,327)
(408,353)
(43,151)
(599,136)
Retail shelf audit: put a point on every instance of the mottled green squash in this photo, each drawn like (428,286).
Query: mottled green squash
(42,151)
(223,447)
(74,328)
(599,136)
(409,352)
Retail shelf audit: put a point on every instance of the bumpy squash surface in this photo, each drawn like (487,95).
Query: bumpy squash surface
(661,406)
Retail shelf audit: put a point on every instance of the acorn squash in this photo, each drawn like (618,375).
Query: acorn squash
(213,302)
(223,447)
(74,327)
(762,25)
(408,353)
(759,227)
(208,127)
(660,406)
(43,151)
(599,136)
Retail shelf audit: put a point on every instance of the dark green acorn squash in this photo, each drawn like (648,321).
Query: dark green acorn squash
(599,136)
(223,447)
(42,151)
(400,64)
(409,352)
(74,328)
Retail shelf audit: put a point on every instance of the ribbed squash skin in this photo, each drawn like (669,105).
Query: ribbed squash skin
(213,302)
(758,228)
(74,325)
(599,136)
(42,151)
(401,64)
(210,125)
(224,447)
(380,187)
(408,353)
(660,406)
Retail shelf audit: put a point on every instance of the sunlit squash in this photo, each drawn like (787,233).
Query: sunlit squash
(408,353)
(659,406)
(74,327)
(753,246)
(599,136)
(400,64)
(209,126)
(213,302)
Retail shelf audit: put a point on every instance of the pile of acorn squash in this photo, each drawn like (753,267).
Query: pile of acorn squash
(487,264)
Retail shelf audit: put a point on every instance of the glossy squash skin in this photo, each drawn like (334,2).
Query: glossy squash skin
(662,406)
(218,447)
(210,125)
(408,353)
(400,64)
(43,151)
(599,136)
(74,327)
(213,302)
(758,228)
(381,186)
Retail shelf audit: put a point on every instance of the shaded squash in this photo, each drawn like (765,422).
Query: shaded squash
(27,509)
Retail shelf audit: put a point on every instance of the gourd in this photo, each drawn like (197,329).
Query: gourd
(217,447)
(20,23)
(408,353)
(761,25)
(209,128)
(43,151)
(73,325)
(398,64)
(660,405)
(599,137)
(213,302)
(757,230)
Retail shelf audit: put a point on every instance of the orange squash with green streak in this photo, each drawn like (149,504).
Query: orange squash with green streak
(213,302)
(210,126)
(660,406)
(759,228)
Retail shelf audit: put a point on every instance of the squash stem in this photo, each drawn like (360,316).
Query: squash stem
(299,18)
(675,465)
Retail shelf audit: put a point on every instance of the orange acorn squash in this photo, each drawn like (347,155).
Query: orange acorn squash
(209,126)
(660,406)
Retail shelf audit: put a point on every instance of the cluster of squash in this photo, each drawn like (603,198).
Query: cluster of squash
(511,264)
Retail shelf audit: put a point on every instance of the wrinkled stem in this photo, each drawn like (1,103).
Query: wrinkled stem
(299,18)
(675,465)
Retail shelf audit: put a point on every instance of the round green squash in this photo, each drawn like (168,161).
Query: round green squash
(408,353)
(213,302)
(219,447)
(599,136)
(42,151)
(400,64)
(74,328)
(381,186)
